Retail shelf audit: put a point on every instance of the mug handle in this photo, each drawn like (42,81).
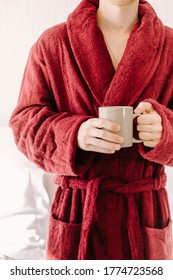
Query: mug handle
(136,140)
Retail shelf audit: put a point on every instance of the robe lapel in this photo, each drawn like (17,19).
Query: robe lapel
(140,60)
(89,49)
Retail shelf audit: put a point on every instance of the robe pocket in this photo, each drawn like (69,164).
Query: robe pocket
(63,240)
(158,243)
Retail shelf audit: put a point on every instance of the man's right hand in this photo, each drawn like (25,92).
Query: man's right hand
(99,135)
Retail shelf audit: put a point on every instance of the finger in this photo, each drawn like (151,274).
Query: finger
(150,144)
(144,107)
(92,148)
(106,135)
(149,128)
(100,143)
(105,124)
(149,119)
(146,136)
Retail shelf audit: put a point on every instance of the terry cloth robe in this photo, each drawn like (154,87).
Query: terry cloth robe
(105,206)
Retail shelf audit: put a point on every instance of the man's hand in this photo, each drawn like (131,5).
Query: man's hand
(149,124)
(99,135)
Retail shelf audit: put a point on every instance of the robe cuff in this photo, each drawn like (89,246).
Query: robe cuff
(69,160)
(163,152)
(80,160)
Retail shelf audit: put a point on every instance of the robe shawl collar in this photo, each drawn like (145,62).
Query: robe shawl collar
(138,65)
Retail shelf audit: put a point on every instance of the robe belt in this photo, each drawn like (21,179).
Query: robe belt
(101,184)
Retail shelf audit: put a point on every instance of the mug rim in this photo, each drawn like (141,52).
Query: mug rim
(114,106)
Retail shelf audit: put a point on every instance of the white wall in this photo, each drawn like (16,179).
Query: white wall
(21,22)
(164,9)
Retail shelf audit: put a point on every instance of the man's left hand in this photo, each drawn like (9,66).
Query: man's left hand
(149,124)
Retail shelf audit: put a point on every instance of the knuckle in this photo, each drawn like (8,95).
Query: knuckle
(158,136)
(88,130)
(98,143)
(158,118)
(82,138)
(138,127)
(89,122)
(140,119)
(141,135)
(101,133)
(85,146)
(147,144)
(158,128)
(82,131)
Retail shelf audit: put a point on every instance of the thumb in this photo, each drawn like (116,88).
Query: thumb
(143,107)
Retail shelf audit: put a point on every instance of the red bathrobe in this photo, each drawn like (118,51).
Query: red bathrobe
(106,206)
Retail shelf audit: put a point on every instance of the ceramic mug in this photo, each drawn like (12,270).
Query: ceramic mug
(124,116)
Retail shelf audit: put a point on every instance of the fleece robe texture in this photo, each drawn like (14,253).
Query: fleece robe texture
(106,206)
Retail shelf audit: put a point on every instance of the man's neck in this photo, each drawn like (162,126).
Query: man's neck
(119,18)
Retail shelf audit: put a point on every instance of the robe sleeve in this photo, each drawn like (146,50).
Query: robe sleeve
(46,136)
(163,152)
